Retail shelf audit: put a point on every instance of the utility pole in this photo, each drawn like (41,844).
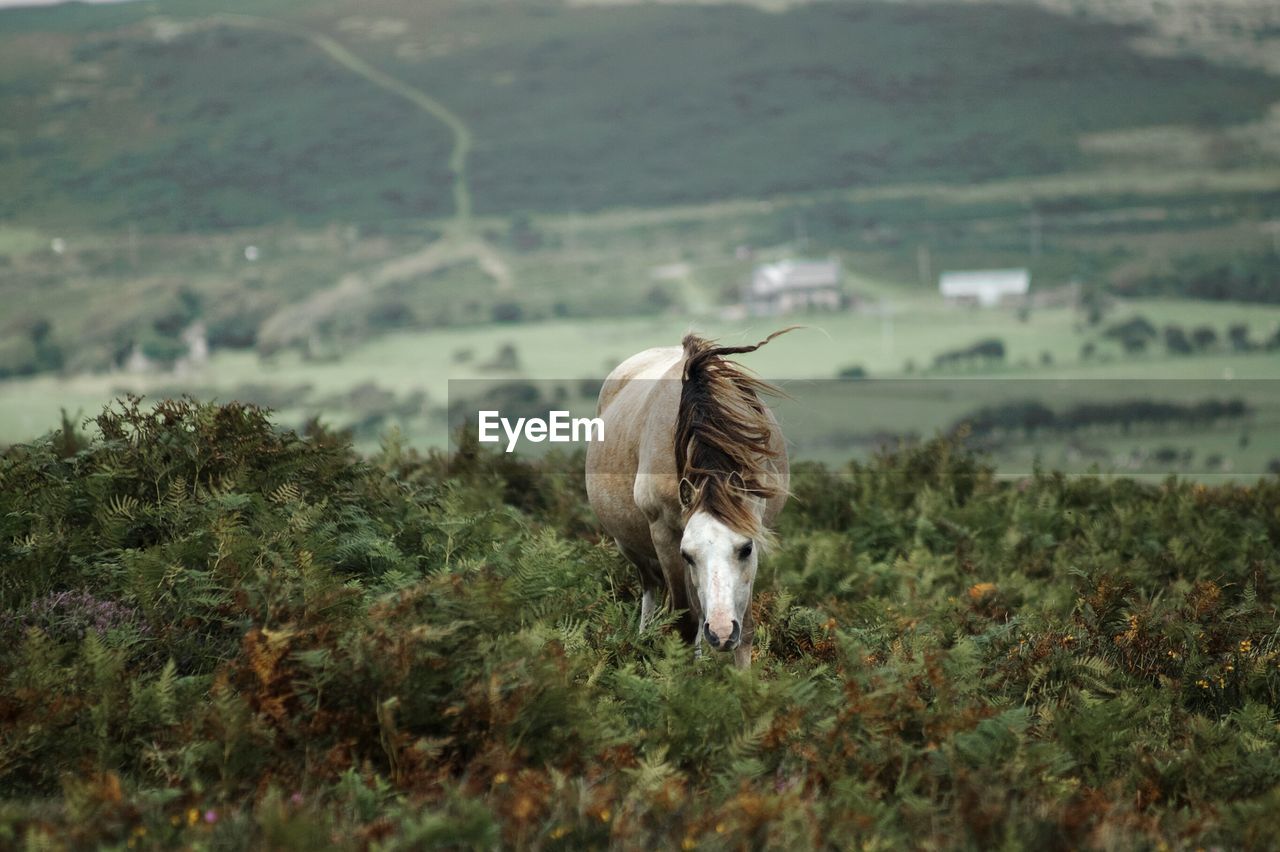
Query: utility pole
(573,227)
(802,239)
(924,265)
(886,327)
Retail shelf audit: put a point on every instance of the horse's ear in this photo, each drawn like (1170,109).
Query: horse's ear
(736,482)
(686,493)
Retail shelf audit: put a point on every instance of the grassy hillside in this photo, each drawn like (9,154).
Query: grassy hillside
(687,104)
(142,140)
(184,122)
(218,128)
(218,636)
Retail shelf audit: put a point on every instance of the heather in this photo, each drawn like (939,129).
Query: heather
(219,634)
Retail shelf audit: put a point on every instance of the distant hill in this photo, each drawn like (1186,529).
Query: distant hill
(116,115)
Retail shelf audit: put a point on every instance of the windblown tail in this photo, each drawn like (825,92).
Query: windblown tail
(701,349)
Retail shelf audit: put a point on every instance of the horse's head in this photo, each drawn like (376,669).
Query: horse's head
(726,450)
(720,565)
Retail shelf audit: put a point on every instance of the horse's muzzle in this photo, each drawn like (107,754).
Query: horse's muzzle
(723,644)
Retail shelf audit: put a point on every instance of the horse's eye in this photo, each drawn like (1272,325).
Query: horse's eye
(688,560)
(745,550)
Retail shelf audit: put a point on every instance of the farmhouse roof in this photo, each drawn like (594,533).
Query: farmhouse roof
(795,275)
(985,282)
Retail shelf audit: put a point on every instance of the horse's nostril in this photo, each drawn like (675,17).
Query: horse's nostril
(736,634)
(711,635)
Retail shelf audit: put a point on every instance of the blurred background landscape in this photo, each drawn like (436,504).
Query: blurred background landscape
(1056,222)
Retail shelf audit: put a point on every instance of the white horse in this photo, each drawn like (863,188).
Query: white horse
(689,478)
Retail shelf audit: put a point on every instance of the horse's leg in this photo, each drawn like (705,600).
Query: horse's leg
(650,582)
(651,579)
(646,607)
(666,543)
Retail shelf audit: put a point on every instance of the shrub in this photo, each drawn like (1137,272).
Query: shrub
(234,326)
(165,350)
(507,312)
(1176,340)
(853,373)
(990,349)
(1250,277)
(1204,337)
(1138,327)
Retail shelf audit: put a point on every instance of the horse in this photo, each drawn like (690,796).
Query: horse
(688,480)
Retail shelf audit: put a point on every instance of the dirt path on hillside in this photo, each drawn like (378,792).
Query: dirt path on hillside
(295,324)
(461,133)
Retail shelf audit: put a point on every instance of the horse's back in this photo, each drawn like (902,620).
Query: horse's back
(651,365)
(638,406)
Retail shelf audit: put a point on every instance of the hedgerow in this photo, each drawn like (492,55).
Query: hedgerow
(218,634)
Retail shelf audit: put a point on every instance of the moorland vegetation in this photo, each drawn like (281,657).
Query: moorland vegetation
(218,633)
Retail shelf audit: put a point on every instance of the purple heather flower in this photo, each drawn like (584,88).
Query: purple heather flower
(72,614)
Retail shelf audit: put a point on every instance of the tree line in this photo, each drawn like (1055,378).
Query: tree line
(1032,416)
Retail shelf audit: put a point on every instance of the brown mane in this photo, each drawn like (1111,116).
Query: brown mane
(722,428)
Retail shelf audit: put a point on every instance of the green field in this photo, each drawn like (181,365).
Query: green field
(563,352)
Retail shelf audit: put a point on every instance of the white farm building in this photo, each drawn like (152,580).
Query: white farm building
(794,285)
(986,288)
